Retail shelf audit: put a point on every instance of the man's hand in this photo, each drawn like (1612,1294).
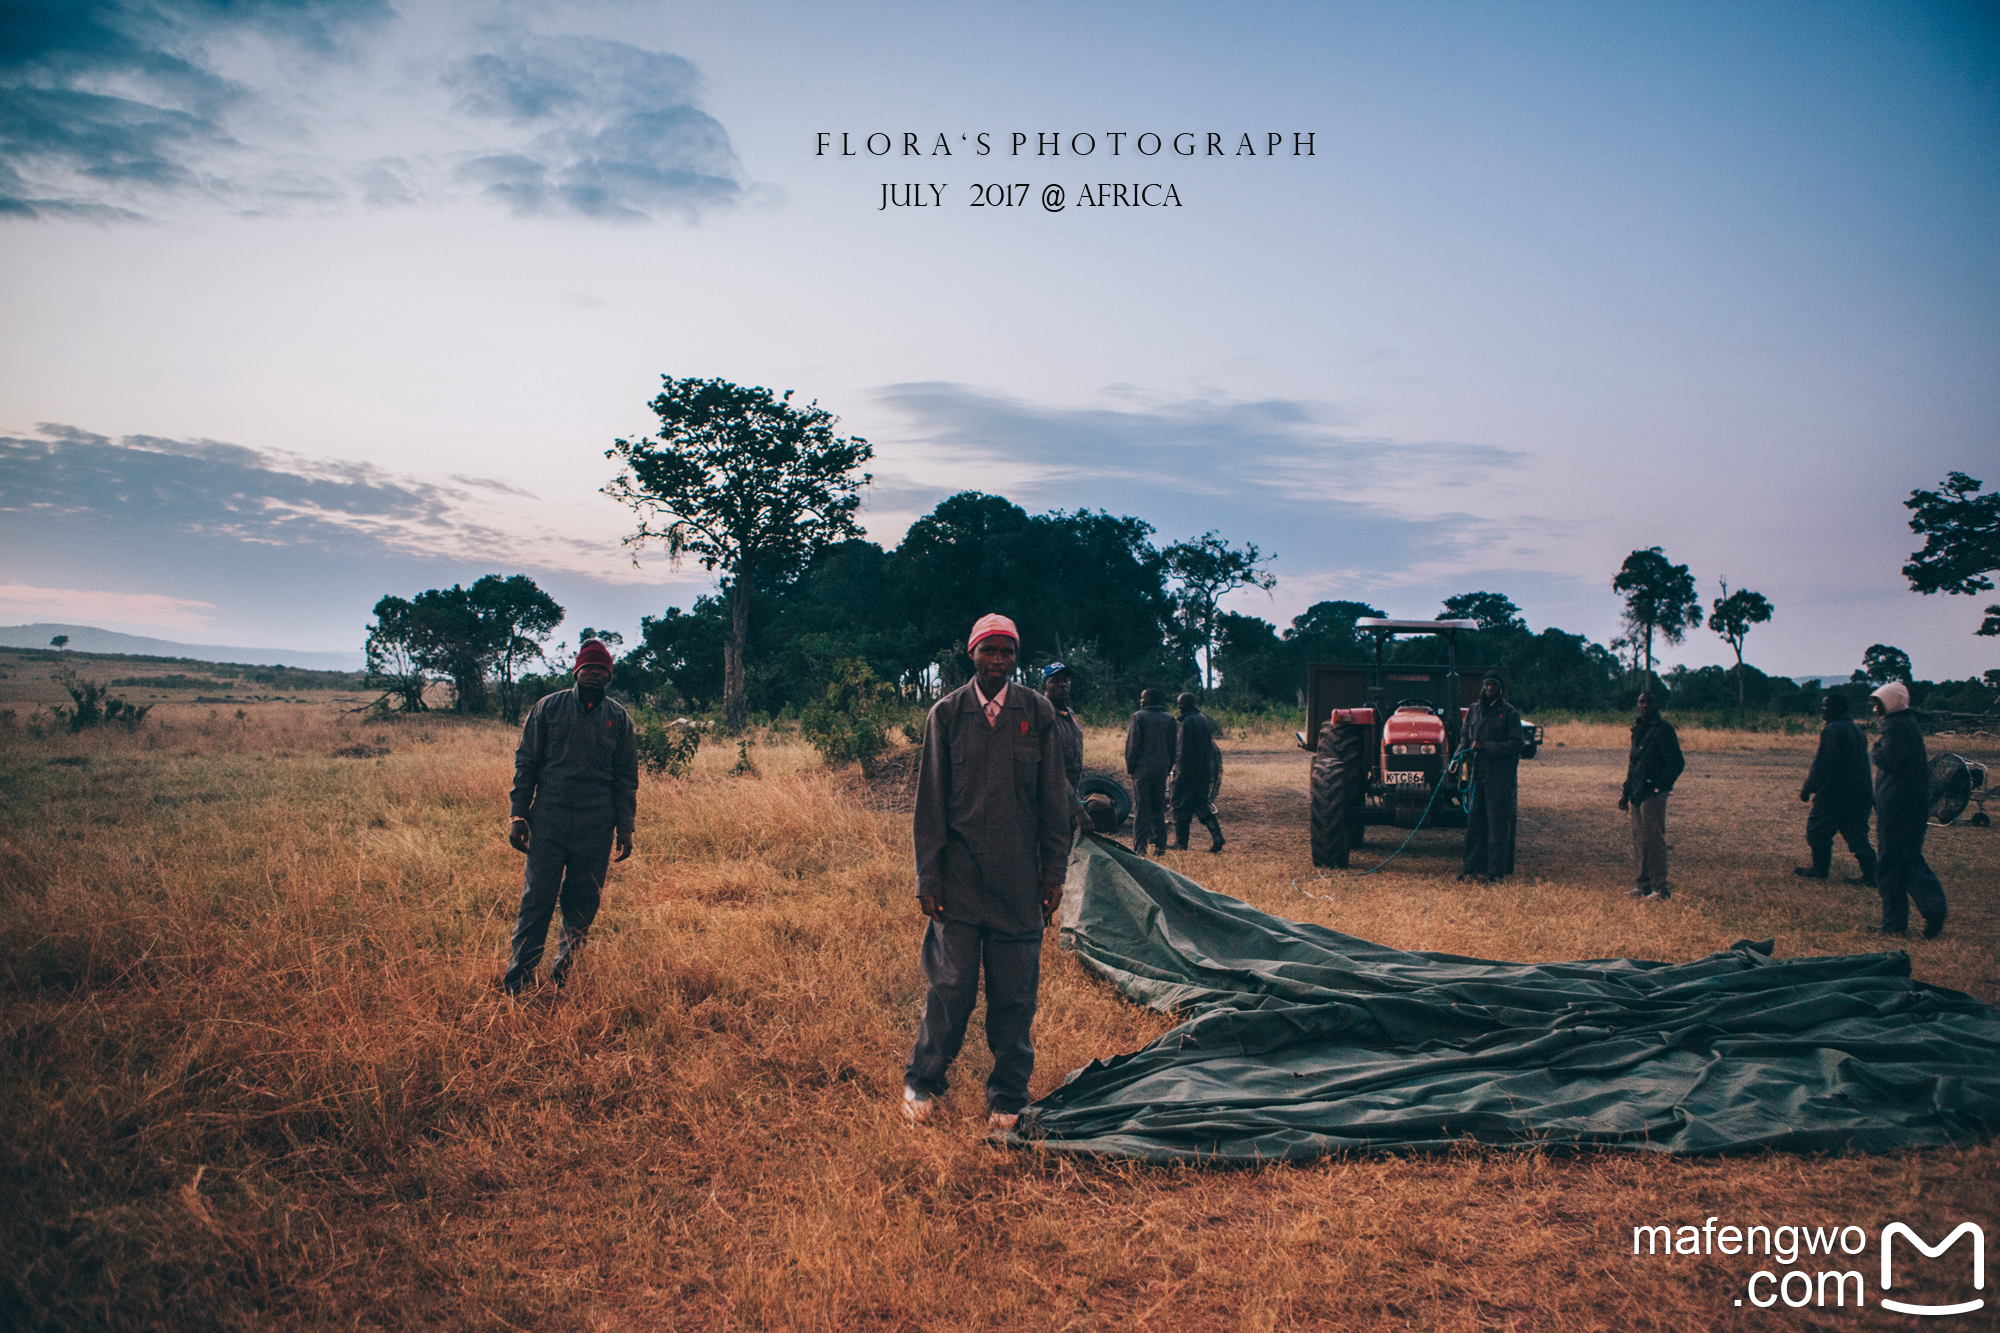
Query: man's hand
(931,907)
(1804,795)
(1051,902)
(517,834)
(624,839)
(1624,804)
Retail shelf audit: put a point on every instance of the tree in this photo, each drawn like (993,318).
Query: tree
(392,655)
(972,554)
(1659,599)
(747,484)
(59,641)
(1882,664)
(517,618)
(1206,569)
(1493,611)
(1256,665)
(1733,615)
(1326,633)
(1961,531)
(451,638)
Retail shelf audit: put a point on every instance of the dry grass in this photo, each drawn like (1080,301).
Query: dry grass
(258,1074)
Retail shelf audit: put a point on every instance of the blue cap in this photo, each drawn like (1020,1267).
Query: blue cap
(1051,669)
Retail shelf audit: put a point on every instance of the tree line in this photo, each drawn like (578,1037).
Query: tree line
(764,493)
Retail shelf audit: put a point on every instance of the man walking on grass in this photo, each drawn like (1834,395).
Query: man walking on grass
(1493,735)
(1651,769)
(992,835)
(1149,757)
(576,791)
(1837,786)
(1902,815)
(1194,775)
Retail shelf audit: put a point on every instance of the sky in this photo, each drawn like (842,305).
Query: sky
(311,302)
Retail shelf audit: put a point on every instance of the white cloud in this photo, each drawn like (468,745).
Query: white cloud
(21,601)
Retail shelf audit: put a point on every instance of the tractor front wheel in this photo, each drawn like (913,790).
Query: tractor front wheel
(1338,770)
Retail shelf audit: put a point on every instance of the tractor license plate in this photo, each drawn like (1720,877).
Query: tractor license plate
(1404,777)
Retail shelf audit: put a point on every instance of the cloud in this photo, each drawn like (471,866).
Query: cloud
(1341,509)
(603,129)
(145,486)
(115,112)
(1279,450)
(21,600)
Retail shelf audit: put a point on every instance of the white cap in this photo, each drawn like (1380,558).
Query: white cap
(1895,696)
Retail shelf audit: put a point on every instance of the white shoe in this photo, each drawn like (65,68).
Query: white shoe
(999,1122)
(917,1106)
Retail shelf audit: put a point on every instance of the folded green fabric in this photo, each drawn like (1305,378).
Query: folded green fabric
(1302,1041)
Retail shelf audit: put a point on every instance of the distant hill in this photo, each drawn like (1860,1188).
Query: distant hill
(89,639)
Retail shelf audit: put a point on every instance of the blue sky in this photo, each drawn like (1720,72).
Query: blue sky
(310,302)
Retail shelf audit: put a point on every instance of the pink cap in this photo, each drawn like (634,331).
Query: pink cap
(990,625)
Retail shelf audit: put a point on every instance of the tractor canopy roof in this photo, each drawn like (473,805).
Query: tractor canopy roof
(1375,625)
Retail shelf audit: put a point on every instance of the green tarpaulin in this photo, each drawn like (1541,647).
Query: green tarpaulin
(1301,1041)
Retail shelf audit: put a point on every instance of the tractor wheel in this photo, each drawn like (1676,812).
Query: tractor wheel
(1338,770)
(1103,784)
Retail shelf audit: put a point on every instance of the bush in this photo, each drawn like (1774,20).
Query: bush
(849,723)
(667,748)
(94,704)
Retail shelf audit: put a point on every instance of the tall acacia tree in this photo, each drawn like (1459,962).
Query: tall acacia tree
(519,618)
(745,483)
(1205,569)
(1659,599)
(1732,616)
(1961,532)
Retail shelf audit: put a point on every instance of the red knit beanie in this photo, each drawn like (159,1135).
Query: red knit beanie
(990,625)
(592,652)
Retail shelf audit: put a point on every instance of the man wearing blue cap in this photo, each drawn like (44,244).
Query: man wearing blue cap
(1055,688)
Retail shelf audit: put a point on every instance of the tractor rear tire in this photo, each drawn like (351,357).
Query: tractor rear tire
(1103,784)
(1339,767)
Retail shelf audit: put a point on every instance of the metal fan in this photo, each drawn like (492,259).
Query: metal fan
(1950,788)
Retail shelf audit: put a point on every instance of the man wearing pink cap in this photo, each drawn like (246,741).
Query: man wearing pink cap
(992,835)
(576,789)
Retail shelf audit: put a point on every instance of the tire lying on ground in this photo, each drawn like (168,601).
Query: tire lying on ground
(1338,769)
(1103,784)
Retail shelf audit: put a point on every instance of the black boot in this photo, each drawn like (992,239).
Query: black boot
(1867,871)
(1215,831)
(1180,835)
(1804,873)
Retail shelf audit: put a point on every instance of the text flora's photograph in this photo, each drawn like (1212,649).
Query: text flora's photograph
(879,667)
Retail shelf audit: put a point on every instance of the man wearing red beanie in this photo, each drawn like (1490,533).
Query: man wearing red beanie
(576,789)
(992,835)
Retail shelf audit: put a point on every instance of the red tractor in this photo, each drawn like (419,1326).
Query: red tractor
(1378,763)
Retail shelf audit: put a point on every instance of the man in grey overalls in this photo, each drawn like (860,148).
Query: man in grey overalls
(992,836)
(576,791)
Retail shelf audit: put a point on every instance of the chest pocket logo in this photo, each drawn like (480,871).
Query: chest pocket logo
(1024,726)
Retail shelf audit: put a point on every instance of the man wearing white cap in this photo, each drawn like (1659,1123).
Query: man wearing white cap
(1902,813)
(992,834)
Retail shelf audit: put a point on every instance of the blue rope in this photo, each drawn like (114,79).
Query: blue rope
(1469,790)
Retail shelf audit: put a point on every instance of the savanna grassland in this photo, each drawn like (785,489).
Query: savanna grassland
(258,1072)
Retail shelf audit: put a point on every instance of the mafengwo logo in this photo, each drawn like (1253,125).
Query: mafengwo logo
(1895,1229)
(1812,1261)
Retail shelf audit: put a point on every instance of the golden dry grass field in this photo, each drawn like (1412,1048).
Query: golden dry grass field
(258,1075)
